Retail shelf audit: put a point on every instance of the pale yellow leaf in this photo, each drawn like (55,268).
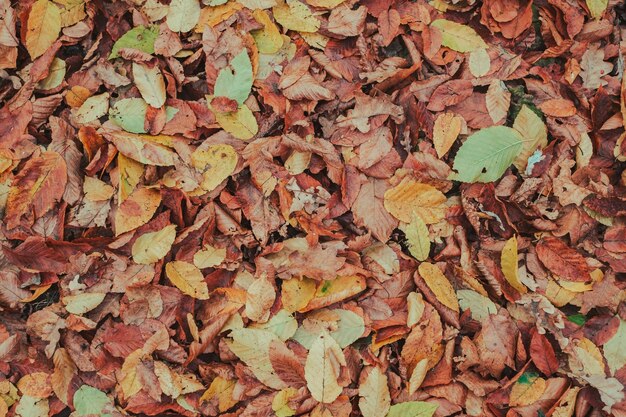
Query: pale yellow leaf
(150,83)
(418,239)
(97,190)
(415,307)
(374,392)
(418,375)
(614,349)
(322,369)
(446,131)
(410,197)
(152,247)
(508,262)
(92,109)
(183,15)
(252,346)
(497,99)
(439,285)
(458,37)
(479,62)
(261,296)
(187,278)
(82,303)
(209,257)
(42,28)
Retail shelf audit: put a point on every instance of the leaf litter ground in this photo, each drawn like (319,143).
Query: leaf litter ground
(320,208)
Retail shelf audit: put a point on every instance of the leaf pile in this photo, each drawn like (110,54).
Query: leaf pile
(323,208)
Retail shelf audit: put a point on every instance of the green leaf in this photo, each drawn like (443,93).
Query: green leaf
(89,401)
(141,38)
(412,409)
(235,85)
(130,114)
(578,319)
(486,154)
(350,327)
(458,37)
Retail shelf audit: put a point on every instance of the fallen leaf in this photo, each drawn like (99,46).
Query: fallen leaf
(187,278)
(322,369)
(152,247)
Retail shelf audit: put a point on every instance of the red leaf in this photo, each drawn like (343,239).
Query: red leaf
(542,354)
(562,260)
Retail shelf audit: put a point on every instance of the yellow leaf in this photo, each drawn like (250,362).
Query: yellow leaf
(374,392)
(42,28)
(150,83)
(241,123)
(183,15)
(479,62)
(497,100)
(130,172)
(222,390)
(280,403)
(92,109)
(35,384)
(136,210)
(152,247)
(330,292)
(526,390)
(269,39)
(534,132)
(458,37)
(508,262)
(322,369)
(187,278)
(417,237)
(82,303)
(567,403)
(96,190)
(446,131)
(295,15)
(558,295)
(439,285)
(217,161)
(296,293)
(55,76)
(129,381)
(410,197)
(597,7)
(211,16)
(209,257)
